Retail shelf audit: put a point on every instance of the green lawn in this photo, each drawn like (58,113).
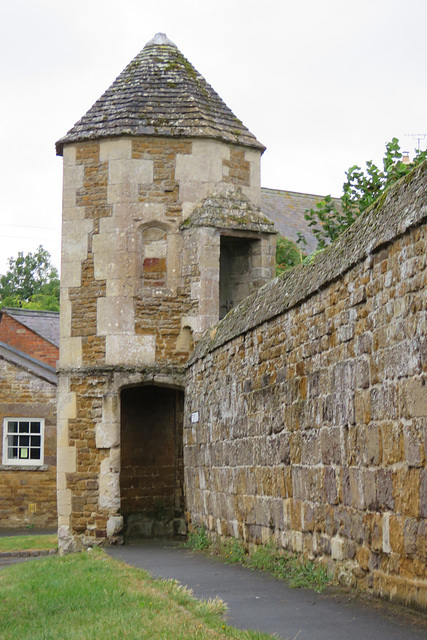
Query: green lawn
(27,543)
(90,596)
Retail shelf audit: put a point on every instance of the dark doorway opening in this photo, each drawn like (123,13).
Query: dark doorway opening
(236,271)
(152,472)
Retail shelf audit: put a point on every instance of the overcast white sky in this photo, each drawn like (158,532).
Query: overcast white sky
(324,84)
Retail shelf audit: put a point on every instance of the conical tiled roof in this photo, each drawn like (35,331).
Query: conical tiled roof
(160,93)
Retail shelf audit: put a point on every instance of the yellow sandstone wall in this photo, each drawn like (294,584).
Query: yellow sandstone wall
(306,408)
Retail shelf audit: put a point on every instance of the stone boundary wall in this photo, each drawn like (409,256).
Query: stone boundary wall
(306,407)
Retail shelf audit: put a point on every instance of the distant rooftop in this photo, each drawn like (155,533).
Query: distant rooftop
(286,209)
(44,323)
(161,94)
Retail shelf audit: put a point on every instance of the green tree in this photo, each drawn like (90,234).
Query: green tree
(360,190)
(287,254)
(31,282)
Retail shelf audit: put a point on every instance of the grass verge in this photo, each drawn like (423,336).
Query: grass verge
(90,595)
(28,543)
(290,567)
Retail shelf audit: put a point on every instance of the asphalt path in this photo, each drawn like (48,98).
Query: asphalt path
(258,601)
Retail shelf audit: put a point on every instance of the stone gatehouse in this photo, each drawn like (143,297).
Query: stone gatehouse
(301,416)
(162,235)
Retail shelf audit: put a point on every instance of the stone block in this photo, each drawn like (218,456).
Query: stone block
(132,350)
(343,376)
(386,533)
(109,488)
(310,450)
(363,556)
(307,517)
(123,287)
(203,165)
(362,407)
(73,178)
(295,448)
(423,493)
(67,403)
(372,450)
(107,435)
(330,483)
(297,541)
(413,443)
(384,402)
(71,273)
(392,443)
(345,332)
(64,502)
(64,314)
(395,533)
(384,489)
(125,178)
(66,459)
(115,316)
(357,494)
(362,374)
(406,491)
(370,489)
(364,344)
(337,548)
(330,445)
(374,530)
(295,515)
(115,149)
(70,354)
(410,536)
(300,482)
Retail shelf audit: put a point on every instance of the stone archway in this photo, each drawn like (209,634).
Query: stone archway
(151,464)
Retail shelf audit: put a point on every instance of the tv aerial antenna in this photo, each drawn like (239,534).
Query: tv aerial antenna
(418,137)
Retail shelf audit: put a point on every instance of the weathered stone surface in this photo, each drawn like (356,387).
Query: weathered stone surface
(347,399)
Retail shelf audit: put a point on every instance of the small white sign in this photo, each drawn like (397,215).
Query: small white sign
(195,417)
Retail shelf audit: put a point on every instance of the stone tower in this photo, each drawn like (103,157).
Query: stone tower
(162,234)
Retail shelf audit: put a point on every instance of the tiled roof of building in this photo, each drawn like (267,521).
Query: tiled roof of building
(286,209)
(228,208)
(160,93)
(44,323)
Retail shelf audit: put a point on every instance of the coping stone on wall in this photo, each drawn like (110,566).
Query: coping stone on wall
(402,206)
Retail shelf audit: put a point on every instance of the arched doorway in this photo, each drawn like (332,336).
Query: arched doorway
(151,472)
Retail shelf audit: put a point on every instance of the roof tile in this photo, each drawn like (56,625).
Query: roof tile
(160,93)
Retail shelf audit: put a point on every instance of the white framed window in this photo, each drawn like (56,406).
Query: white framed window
(23,441)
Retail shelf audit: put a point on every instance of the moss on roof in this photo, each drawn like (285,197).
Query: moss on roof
(228,208)
(160,93)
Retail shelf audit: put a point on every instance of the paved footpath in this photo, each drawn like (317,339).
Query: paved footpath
(258,601)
